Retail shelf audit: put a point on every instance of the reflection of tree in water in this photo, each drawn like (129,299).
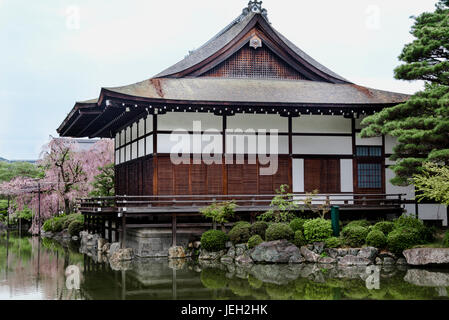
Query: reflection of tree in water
(33,265)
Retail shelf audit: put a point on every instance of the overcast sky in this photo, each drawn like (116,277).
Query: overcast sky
(54,53)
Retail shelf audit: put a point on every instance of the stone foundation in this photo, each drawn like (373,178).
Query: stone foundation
(154,242)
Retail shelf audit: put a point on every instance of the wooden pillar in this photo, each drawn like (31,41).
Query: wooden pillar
(110,230)
(173,230)
(224,166)
(290,152)
(39,208)
(103,227)
(123,236)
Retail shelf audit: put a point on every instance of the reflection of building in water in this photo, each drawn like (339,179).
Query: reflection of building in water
(147,279)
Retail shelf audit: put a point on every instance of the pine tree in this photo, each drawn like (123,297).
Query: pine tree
(421,125)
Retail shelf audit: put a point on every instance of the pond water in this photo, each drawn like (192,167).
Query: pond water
(33,268)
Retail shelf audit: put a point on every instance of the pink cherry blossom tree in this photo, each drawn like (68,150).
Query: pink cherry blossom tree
(69,173)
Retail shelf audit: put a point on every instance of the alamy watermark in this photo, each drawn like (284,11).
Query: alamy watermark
(242,146)
(373,279)
(72,281)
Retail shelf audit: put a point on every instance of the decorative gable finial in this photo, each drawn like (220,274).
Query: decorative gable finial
(256,7)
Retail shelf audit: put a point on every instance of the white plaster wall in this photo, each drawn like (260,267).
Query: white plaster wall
(358,122)
(117,157)
(176,120)
(321,124)
(346,175)
(141,143)
(149,145)
(433,212)
(322,145)
(258,121)
(254,144)
(149,123)
(187,143)
(392,189)
(298,175)
(390,142)
(376,141)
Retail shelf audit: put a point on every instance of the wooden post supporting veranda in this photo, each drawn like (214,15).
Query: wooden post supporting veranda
(123,235)
(173,230)
(39,207)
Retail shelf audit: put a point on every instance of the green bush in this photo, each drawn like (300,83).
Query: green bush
(240,233)
(67,220)
(333,242)
(385,226)
(254,241)
(259,228)
(279,231)
(359,223)
(446,240)
(376,238)
(75,227)
(402,238)
(299,240)
(425,233)
(214,240)
(354,236)
(317,230)
(297,224)
(242,224)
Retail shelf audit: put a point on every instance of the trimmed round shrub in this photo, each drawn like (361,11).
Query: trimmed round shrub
(299,240)
(240,233)
(385,226)
(333,242)
(254,241)
(376,238)
(213,278)
(359,223)
(67,220)
(75,227)
(317,230)
(297,224)
(214,240)
(425,233)
(355,236)
(242,224)
(259,228)
(402,238)
(279,231)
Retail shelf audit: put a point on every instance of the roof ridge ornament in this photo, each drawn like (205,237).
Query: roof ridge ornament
(256,7)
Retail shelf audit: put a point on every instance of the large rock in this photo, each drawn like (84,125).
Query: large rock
(243,259)
(424,278)
(208,255)
(369,253)
(350,260)
(427,256)
(326,260)
(309,255)
(176,253)
(279,251)
(113,248)
(240,249)
(122,255)
(318,247)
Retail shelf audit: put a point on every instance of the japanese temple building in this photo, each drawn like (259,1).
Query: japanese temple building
(246,80)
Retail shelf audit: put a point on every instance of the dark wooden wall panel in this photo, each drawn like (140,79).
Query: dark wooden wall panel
(136,178)
(322,175)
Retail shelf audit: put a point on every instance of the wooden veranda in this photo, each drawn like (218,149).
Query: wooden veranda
(112,216)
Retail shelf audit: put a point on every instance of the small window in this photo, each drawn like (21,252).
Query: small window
(369,175)
(369,152)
